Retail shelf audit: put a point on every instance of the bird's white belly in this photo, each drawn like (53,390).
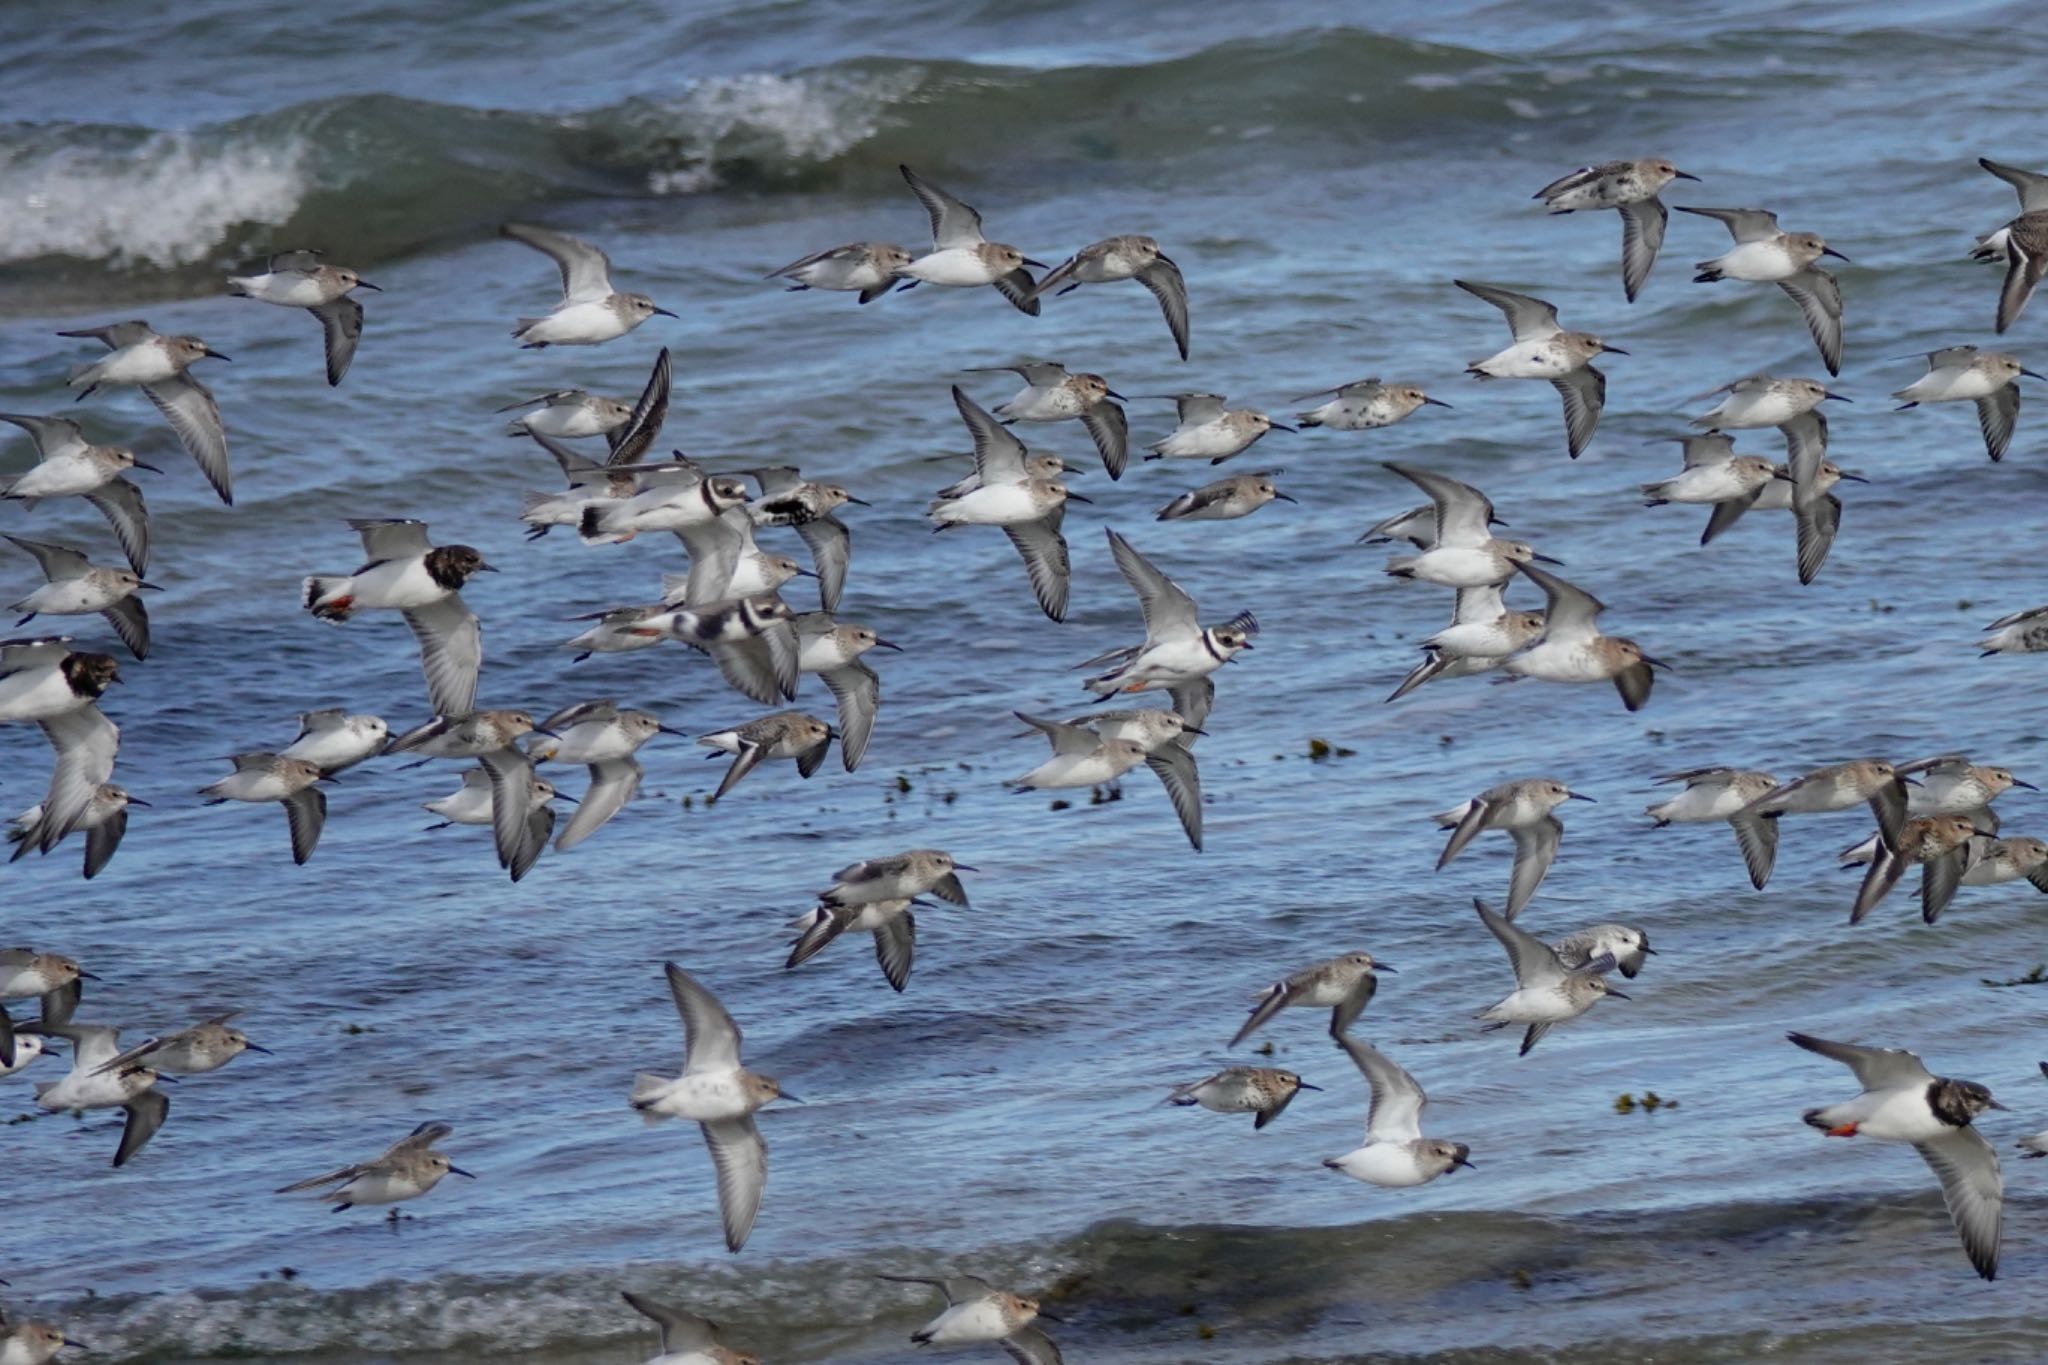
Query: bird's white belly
(953,266)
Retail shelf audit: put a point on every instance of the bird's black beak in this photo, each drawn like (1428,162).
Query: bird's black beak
(1386,967)
(1612,350)
(1279,426)
(963,867)
(74,1345)
(1191,730)
(1996,1105)
(880,643)
(1458,1160)
(212,354)
(150,467)
(1854,478)
(254,1047)
(1656,663)
(1304,1085)
(1683,175)
(1651,951)
(806,573)
(1579,796)
(785,1095)
(1076,497)
(564,796)
(1435,402)
(1618,995)
(148,587)
(2028,785)
(543,730)
(1035,265)
(1112,393)
(671,730)
(2030,374)
(488,568)
(1049,1317)
(1830,393)
(362,283)
(457,1170)
(1546,559)
(138,801)
(858,502)
(665,313)
(1286,497)
(1830,251)
(87,976)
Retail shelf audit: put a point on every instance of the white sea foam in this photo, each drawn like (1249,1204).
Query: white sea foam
(169,200)
(805,118)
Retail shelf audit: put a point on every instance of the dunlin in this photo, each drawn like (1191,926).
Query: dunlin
(869,269)
(890,921)
(298,279)
(687,1339)
(1766,254)
(1080,757)
(1029,510)
(1481,636)
(409,1168)
(104,823)
(1547,992)
(1571,648)
(75,586)
(1523,809)
(1127,257)
(71,466)
(1343,985)
(160,366)
(1167,738)
(1226,499)
(1052,394)
(1363,405)
(1464,553)
(1210,430)
(206,1046)
(261,776)
(1631,187)
(1726,794)
(90,1085)
(1990,379)
(1262,1090)
(961,256)
(54,981)
(1940,844)
(900,876)
(1544,350)
(977,1311)
(1840,786)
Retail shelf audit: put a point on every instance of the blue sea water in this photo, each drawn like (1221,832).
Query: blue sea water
(1322,172)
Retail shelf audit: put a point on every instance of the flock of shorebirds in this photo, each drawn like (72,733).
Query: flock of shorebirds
(1935,813)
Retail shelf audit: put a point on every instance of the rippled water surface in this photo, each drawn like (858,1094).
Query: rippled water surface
(1321,183)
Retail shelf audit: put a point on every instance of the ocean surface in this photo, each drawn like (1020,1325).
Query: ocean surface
(1321,171)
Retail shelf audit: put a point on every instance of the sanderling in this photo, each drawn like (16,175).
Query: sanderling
(87,1086)
(409,1168)
(1765,254)
(1631,187)
(1342,985)
(1544,350)
(591,311)
(961,256)
(1166,737)
(1904,1102)
(160,367)
(568,415)
(518,827)
(1179,652)
(1547,993)
(1990,379)
(890,921)
(1052,394)
(1464,552)
(868,268)
(1208,430)
(404,572)
(1714,474)
(789,499)
(603,736)
(1523,809)
(687,1339)
(68,465)
(977,1311)
(1571,648)
(717,1092)
(1029,510)
(475,803)
(333,739)
(1127,257)
(1262,1090)
(1363,405)
(1627,944)
(262,776)
(900,876)
(297,279)
(1394,1154)
(75,586)
(1080,757)
(1240,495)
(1726,794)
(206,1046)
